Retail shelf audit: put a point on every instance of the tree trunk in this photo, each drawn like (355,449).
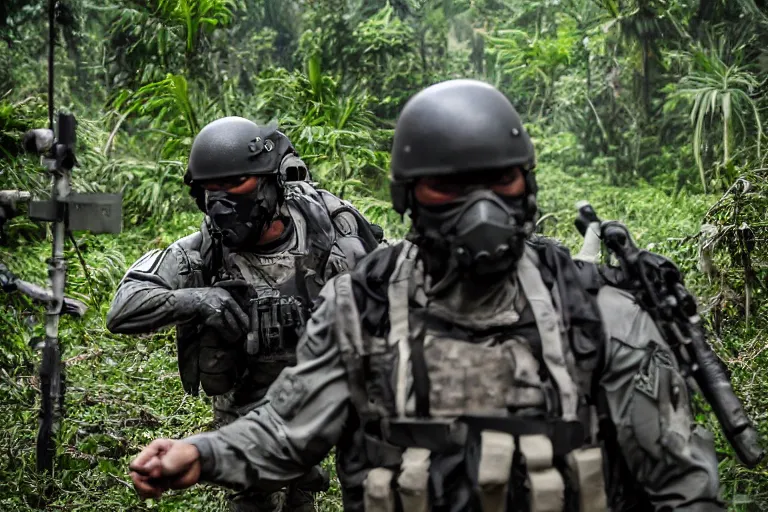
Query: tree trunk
(423,53)
(726,128)
(647,78)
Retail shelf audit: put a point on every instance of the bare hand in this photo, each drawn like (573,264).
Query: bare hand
(165,464)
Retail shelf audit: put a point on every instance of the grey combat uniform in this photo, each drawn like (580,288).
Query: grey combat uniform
(324,236)
(570,397)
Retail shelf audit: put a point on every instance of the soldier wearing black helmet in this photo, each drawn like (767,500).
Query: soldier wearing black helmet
(472,366)
(240,289)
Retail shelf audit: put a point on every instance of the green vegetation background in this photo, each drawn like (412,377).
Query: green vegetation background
(651,109)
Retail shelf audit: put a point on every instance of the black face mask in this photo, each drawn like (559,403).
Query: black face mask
(480,235)
(242,218)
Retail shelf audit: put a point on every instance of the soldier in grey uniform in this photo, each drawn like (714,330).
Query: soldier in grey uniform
(240,289)
(473,366)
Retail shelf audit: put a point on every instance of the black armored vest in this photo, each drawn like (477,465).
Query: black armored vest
(276,290)
(506,375)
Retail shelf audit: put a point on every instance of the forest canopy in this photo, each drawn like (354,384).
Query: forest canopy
(654,110)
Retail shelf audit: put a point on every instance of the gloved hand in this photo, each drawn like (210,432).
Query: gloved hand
(214,307)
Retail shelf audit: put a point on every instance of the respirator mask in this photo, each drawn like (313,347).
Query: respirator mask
(481,234)
(242,218)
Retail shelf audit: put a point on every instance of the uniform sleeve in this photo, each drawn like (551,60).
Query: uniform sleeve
(144,300)
(669,456)
(349,248)
(297,424)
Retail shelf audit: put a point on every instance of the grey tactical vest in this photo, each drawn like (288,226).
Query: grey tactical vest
(269,290)
(521,384)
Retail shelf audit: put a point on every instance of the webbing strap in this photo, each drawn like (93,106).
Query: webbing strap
(349,337)
(397,295)
(420,374)
(549,325)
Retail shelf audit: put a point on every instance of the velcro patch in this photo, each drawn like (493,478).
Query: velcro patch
(288,394)
(647,379)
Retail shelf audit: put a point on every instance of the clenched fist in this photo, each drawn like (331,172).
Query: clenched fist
(165,464)
(215,307)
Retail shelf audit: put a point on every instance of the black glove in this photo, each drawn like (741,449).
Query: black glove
(214,307)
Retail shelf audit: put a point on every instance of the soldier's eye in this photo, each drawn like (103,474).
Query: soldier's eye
(508,177)
(447,188)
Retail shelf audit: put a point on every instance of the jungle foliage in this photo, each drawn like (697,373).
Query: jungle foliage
(652,109)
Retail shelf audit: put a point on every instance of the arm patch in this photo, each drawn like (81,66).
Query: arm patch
(288,395)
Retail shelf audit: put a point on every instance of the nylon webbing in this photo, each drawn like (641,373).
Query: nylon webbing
(397,295)
(549,325)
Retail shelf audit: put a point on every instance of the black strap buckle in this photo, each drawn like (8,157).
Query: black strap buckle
(436,435)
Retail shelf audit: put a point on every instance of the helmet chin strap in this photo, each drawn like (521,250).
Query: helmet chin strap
(449,278)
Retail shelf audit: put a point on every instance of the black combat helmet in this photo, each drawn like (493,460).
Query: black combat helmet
(464,127)
(456,127)
(234,146)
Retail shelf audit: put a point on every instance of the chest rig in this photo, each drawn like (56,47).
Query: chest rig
(492,420)
(275,290)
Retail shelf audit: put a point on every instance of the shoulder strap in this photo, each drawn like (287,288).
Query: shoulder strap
(551,330)
(399,332)
(309,203)
(577,287)
(350,339)
(211,251)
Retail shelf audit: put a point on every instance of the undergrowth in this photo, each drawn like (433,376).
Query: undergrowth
(124,391)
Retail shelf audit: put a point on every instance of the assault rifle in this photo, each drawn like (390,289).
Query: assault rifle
(67,211)
(658,287)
